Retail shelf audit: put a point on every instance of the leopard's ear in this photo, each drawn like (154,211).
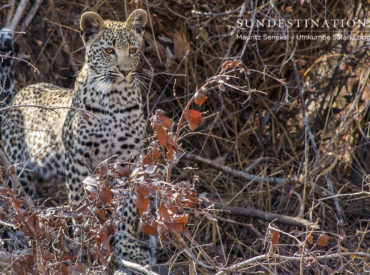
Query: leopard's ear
(137,20)
(90,24)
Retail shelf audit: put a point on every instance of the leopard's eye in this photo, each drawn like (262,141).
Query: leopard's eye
(109,50)
(132,50)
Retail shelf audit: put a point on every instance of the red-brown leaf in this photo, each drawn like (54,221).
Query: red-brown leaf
(99,213)
(160,119)
(142,203)
(200,97)
(106,195)
(149,229)
(323,240)
(184,218)
(194,118)
(148,159)
(141,190)
(122,171)
(170,151)
(310,239)
(77,269)
(175,227)
(275,237)
(161,135)
(156,153)
(163,212)
(85,116)
(106,245)
(12,169)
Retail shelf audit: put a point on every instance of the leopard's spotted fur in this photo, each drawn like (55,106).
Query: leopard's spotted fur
(61,135)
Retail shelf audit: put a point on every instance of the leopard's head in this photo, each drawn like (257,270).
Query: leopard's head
(113,48)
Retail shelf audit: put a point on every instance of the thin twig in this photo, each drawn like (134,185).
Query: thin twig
(186,250)
(6,224)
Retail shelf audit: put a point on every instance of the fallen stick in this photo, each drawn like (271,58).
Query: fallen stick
(137,267)
(255,213)
(235,267)
(234,172)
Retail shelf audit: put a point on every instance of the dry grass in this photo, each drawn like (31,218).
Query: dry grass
(300,113)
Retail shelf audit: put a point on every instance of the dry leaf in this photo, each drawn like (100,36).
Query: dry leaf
(199,98)
(148,160)
(162,211)
(100,213)
(310,239)
(180,44)
(323,240)
(122,171)
(289,9)
(141,190)
(142,203)
(184,218)
(149,229)
(194,118)
(106,195)
(275,237)
(161,135)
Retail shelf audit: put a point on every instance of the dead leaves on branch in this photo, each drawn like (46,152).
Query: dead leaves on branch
(174,198)
(160,124)
(175,202)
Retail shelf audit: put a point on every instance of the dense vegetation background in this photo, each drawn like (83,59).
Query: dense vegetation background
(284,130)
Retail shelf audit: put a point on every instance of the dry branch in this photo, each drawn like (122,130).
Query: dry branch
(234,172)
(255,213)
(250,261)
(19,14)
(137,267)
(31,13)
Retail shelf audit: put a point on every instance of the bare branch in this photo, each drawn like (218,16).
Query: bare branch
(10,13)
(18,14)
(31,13)
(250,261)
(255,213)
(137,267)
(235,172)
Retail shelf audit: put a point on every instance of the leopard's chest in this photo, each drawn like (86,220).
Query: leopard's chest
(111,130)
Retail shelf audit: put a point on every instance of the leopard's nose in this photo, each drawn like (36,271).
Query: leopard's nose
(125,72)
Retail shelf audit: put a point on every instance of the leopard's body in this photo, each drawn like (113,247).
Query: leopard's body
(61,135)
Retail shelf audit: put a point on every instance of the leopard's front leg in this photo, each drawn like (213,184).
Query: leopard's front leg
(76,171)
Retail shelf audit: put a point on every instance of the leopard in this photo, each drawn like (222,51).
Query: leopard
(60,135)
